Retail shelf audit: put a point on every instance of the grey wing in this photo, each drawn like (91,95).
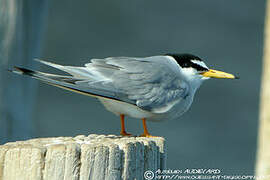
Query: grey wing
(150,83)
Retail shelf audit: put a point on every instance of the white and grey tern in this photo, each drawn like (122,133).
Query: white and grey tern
(155,88)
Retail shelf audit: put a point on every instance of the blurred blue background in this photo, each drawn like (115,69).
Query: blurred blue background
(220,129)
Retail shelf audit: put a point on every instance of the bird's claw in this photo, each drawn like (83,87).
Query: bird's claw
(148,135)
(124,133)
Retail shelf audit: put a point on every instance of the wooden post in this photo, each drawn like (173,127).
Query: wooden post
(95,157)
(263,152)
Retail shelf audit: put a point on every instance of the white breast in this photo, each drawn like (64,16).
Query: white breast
(118,107)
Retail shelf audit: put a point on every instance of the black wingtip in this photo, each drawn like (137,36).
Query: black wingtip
(19,70)
(236,77)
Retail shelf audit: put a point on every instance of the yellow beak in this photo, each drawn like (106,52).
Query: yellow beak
(218,74)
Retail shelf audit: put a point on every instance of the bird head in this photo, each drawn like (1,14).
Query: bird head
(195,71)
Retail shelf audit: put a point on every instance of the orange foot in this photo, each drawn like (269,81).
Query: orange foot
(124,133)
(147,135)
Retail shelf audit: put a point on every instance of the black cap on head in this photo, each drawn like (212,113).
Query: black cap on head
(184,60)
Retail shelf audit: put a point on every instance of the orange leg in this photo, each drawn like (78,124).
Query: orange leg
(145,131)
(123,131)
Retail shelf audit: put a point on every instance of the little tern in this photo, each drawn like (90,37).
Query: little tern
(155,88)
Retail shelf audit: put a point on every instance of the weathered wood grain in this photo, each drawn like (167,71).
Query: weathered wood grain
(96,157)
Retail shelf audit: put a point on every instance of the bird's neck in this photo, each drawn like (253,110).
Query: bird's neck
(194,84)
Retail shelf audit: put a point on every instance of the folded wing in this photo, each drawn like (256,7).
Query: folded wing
(150,83)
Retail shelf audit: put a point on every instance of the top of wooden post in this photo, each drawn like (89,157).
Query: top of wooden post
(82,157)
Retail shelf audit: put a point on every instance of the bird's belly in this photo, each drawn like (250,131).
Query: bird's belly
(118,107)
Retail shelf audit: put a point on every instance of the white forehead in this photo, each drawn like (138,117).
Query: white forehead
(200,63)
